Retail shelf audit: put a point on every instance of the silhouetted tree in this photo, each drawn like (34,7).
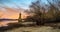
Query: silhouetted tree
(35,8)
(54,8)
(42,17)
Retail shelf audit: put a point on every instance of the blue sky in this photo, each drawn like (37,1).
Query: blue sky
(20,3)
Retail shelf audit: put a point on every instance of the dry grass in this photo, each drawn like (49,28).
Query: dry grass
(34,29)
(30,28)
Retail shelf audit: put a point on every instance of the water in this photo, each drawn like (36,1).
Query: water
(4,23)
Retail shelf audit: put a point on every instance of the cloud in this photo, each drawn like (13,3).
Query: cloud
(20,3)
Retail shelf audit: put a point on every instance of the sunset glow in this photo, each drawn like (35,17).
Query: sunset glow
(11,14)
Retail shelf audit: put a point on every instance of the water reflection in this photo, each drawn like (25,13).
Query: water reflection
(4,23)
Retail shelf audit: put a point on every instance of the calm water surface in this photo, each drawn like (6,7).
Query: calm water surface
(4,23)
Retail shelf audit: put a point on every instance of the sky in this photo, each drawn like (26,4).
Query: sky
(19,3)
(13,13)
(10,13)
(16,3)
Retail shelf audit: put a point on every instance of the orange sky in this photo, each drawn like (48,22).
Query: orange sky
(11,14)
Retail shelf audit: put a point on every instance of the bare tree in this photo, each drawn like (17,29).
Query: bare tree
(54,8)
(35,8)
(39,17)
